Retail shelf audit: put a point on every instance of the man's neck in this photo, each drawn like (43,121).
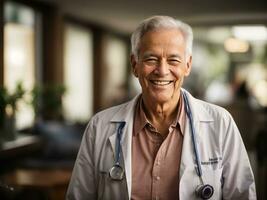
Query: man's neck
(161,116)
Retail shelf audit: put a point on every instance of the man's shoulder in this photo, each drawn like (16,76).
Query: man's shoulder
(111,110)
(212,109)
(211,106)
(117,110)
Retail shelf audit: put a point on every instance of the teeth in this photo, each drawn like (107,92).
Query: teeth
(161,82)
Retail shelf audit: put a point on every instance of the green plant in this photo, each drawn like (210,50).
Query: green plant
(47,101)
(9,99)
(3,94)
(35,101)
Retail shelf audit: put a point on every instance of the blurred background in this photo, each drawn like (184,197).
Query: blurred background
(61,61)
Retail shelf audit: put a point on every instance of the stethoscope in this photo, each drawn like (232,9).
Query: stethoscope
(116,172)
(204,191)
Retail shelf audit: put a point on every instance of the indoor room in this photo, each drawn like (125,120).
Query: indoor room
(61,62)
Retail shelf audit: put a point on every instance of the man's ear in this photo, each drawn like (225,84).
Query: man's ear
(134,65)
(188,66)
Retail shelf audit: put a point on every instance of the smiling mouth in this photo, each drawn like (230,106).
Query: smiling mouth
(160,83)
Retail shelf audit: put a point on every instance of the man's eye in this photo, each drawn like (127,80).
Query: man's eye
(151,60)
(174,62)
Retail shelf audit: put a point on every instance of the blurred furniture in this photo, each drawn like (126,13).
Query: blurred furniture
(38,184)
(22,145)
(61,144)
(10,153)
(43,174)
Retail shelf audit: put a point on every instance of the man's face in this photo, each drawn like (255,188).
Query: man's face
(161,65)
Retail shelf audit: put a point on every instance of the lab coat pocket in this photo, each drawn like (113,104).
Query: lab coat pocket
(213,177)
(101,185)
(109,189)
(189,181)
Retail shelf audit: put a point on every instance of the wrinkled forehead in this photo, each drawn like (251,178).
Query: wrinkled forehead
(163,34)
(162,39)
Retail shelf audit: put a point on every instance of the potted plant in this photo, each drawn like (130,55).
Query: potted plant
(3,94)
(8,107)
(47,101)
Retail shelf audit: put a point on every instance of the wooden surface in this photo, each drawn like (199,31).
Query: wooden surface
(38,178)
(32,184)
(22,145)
(52,182)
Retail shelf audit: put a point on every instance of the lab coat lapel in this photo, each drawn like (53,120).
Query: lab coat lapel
(112,140)
(126,114)
(187,159)
(127,153)
(126,142)
(200,115)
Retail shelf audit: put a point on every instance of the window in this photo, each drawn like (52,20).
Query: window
(115,76)
(228,57)
(19,56)
(78,78)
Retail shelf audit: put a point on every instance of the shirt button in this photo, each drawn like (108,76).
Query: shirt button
(157,178)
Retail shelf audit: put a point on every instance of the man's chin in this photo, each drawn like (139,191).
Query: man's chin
(161,99)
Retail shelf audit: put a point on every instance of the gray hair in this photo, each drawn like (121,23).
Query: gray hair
(157,22)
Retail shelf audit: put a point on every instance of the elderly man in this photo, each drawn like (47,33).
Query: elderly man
(164,144)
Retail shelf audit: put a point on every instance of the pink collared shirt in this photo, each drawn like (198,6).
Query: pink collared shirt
(156,160)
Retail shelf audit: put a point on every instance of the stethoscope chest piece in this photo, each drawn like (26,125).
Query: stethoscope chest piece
(204,191)
(116,172)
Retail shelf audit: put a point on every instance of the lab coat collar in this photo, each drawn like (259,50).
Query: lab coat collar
(198,111)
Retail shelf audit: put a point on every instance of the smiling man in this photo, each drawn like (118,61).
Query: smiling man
(161,66)
(164,144)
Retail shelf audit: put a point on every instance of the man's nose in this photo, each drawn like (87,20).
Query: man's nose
(162,68)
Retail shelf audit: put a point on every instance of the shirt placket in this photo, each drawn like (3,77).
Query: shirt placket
(156,172)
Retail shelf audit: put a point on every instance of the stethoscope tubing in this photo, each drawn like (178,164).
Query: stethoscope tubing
(193,134)
(118,143)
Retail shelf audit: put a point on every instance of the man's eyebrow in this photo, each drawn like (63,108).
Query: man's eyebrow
(148,54)
(175,56)
(151,54)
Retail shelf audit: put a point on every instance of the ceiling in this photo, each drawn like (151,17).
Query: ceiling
(124,15)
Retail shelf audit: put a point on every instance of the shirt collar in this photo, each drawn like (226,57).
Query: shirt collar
(181,115)
(140,120)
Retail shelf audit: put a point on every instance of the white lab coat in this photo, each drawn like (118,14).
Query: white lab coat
(223,157)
